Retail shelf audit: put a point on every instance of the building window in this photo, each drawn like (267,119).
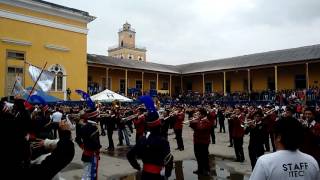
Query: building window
(121,43)
(228,86)
(12,74)
(208,87)
(271,83)
(104,83)
(245,85)
(189,86)
(109,83)
(59,82)
(300,81)
(138,84)
(165,85)
(15,55)
(153,84)
(129,56)
(122,85)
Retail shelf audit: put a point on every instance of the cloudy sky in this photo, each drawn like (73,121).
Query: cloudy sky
(184,31)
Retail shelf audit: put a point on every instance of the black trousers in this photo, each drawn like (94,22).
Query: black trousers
(178,133)
(110,133)
(266,142)
(151,176)
(213,136)
(201,151)
(222,127)
(55,127)
(230,138)
(103,126)
(255,151)
(238,148)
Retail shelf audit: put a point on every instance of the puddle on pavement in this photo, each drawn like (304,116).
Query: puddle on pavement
(120,152)
(183,170)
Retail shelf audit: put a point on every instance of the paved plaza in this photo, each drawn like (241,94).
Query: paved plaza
(115,165)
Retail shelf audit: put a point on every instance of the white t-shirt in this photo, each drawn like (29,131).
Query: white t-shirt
(286,165)
(56,116)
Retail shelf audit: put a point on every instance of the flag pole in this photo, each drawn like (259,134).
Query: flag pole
(35,83)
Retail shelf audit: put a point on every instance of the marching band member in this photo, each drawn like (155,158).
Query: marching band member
(153,150)
(139,123)
(201,138)
(237,133)
(178,126)
(213,118)
(87,137)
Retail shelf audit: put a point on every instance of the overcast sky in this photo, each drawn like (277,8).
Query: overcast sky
(184,31)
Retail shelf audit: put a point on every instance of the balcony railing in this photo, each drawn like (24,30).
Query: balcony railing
(118,47)
(131,29)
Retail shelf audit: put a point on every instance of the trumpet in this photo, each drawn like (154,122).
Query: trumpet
(248,123)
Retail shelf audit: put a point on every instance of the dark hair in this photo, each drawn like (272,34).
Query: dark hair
(203,111)
(290,131)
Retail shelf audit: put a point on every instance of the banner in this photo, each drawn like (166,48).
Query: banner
(46,79)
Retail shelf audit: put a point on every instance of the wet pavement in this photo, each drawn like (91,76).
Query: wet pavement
(115,166)
(183,170)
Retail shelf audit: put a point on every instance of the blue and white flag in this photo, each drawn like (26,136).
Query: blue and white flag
(85,96)
(46,79)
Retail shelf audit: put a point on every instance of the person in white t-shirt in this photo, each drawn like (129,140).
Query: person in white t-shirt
(56,119)
(287,162)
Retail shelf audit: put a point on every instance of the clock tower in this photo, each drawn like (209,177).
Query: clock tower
(126,48)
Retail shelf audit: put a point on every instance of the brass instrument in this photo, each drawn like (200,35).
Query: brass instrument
(248,123)
(116,104)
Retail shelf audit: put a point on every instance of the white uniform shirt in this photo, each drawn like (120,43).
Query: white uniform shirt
(286,165)
(56,117)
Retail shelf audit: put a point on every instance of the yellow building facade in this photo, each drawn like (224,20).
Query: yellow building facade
(39,32)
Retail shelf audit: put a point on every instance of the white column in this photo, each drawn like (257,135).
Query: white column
(170,81)
(203,84)
(126,84)
(142,74)
(107,78)
(276,78)
(224,84)
(157,85)
(307,75)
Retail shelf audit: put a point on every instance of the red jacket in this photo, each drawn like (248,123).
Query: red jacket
(237,131)
(139,124)
(179,120)
(202,129)
(213,118)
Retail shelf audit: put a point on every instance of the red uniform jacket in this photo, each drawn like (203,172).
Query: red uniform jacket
(270,121)
(213,118)
(311,141)
(139,124)
(179,121)
(202,131)
(237,131)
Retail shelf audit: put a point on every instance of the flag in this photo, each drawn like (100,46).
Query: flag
(18,89)
(87,98)
(46,79)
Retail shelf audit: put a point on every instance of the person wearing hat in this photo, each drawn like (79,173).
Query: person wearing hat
(201,139)
(87,137)
(153,149)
